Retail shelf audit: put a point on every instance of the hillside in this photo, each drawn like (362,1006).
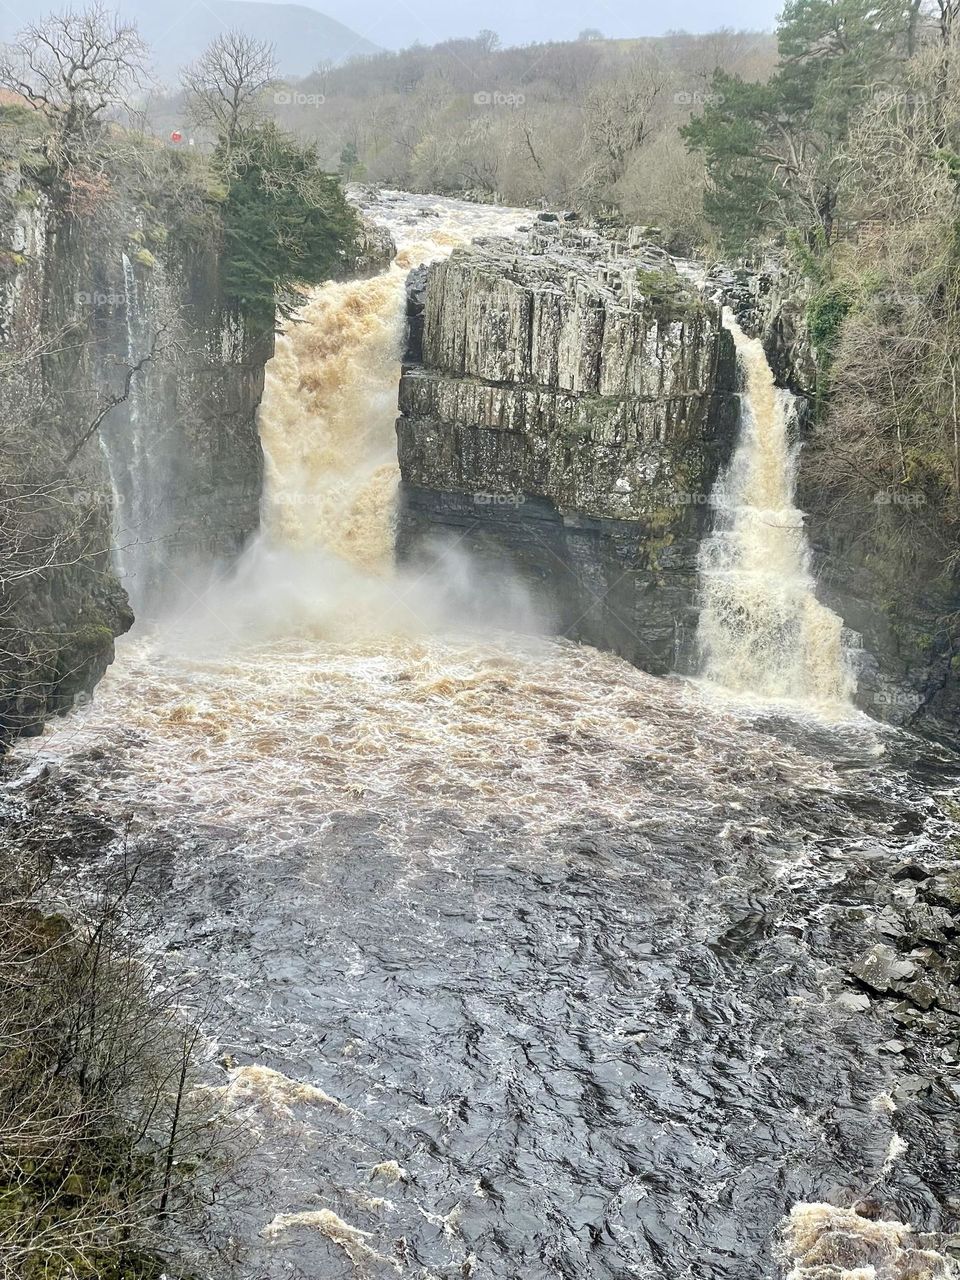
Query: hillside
(178,33)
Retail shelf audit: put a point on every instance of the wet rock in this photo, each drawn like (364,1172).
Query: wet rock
(572,404)
(910,871)
(416,306)
(377,249)
(945,888)
(882,969)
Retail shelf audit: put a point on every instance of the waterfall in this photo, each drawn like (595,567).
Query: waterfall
(327,424)
(322,565)
(122,443)
(762,629)
(328,416)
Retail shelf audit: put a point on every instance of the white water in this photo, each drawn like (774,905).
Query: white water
(826,1243)
(762,629)
(130,464)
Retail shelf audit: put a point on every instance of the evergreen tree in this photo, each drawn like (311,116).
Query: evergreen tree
(287,223)
(769,148)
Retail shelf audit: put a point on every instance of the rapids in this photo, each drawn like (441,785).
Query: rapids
(523,963)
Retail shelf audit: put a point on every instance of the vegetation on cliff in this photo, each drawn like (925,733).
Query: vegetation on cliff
(591,124)
(286,223)
(259,200)
(109,1144)
(849,156)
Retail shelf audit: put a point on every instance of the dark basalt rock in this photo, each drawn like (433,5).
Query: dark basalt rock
(566,404)
(172,475)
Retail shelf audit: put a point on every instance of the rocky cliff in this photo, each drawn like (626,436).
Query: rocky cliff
(566,403)
(909,665)
(131,449)
(183,449)
(130,441)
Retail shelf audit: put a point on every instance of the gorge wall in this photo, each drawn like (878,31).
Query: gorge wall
(903,609)
(566,403)
(131,448)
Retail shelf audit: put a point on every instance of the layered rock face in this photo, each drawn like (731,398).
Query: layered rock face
(92,494)
(60,604)
(565,407)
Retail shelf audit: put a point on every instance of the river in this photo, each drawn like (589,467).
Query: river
(524,963)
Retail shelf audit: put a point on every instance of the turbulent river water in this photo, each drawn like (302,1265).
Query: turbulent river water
(527,964)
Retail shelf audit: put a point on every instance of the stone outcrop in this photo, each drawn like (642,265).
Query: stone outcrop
(770,302)
(566,405)
(377,248)
(170,475)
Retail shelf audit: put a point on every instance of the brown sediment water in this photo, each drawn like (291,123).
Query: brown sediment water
(762,629)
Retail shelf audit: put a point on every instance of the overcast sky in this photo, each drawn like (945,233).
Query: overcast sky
(394,23)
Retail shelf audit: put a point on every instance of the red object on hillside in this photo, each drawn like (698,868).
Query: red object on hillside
(176,136)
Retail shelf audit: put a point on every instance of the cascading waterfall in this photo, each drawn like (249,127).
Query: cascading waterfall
(327,424)
(128,460)
(323,563)
(762,629)
(327,421)
(134,353)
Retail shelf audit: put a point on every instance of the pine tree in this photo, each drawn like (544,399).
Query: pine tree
(287,224)
(770,148)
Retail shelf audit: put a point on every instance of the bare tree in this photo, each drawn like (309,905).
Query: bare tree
(617,115)
(107,1136)
(947,14)
(73,66)
(224,85)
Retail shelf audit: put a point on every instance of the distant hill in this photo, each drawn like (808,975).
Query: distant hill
(178,31)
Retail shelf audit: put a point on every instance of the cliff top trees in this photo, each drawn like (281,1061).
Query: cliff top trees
(286,222)
(224,85)
(769,148)
(73,66)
